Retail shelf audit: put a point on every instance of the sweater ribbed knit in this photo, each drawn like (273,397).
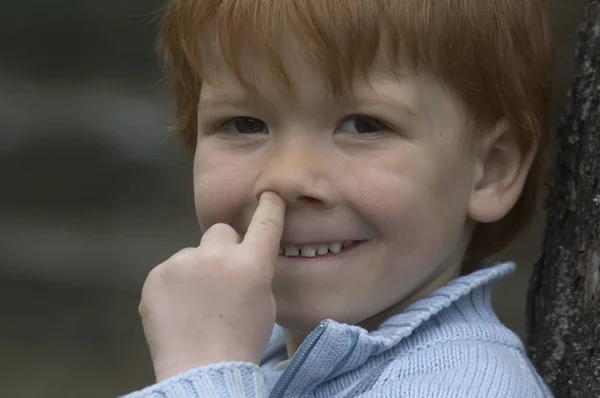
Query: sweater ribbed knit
(449,344)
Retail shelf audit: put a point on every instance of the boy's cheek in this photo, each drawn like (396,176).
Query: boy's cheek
(221,194)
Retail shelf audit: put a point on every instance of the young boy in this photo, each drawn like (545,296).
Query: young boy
(355,162)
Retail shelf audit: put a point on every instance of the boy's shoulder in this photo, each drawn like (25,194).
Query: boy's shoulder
(455,368)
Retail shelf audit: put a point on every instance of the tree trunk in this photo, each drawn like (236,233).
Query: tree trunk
(564,296)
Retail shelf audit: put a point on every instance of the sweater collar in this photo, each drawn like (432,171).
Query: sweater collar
(465,299)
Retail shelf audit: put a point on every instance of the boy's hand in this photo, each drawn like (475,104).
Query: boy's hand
(214,302)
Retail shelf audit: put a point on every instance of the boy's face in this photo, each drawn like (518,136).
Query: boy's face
(388,173)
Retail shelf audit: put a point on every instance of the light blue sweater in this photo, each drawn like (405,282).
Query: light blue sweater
(449,344)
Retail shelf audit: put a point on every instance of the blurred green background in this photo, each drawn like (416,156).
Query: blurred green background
(94,192)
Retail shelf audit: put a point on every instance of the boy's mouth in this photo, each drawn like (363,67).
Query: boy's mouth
(316,249)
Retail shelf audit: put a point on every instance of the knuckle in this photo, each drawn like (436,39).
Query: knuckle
(211,255)
(163,277)
(182,257)
(219,227)
(149,290)
(164,273)
(219,233)
(153,281)
(142,308)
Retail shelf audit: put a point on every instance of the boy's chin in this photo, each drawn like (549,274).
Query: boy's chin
(299,324)
(299,321)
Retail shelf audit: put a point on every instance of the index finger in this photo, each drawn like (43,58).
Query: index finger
(266,228)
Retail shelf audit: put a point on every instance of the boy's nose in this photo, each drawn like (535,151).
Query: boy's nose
(299,175)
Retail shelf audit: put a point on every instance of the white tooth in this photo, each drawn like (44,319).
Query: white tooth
(322,250)
(308,251)
(292,251)
(335,247)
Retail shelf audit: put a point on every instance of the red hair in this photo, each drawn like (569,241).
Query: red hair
(494,55)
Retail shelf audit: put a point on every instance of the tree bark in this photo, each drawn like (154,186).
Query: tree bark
(564,297)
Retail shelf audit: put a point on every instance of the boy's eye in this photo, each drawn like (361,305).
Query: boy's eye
(365,125)
(244,125)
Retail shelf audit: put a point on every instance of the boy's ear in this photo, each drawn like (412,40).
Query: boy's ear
(501,168)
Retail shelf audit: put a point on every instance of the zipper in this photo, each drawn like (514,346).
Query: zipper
(298,360)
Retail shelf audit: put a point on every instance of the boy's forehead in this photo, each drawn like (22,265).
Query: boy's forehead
(257,66)
(256,69)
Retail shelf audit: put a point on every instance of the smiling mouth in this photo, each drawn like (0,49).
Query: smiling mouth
(318,250)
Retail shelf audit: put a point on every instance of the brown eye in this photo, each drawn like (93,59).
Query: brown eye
(359,124)
(245,125)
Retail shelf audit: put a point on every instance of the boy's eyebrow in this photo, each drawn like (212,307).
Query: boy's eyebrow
(369,99)
(378,98)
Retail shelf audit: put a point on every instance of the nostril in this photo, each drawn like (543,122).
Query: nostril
(309,199)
